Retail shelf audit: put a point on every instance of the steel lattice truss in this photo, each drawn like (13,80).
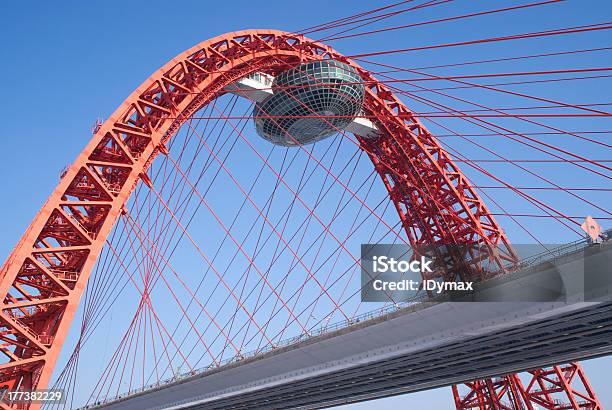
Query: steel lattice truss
(557,387)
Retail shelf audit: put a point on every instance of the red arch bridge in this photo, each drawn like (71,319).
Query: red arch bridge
(398,348)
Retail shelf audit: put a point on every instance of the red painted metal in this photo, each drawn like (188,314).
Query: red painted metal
(44,277)
(562,387)
(499,394)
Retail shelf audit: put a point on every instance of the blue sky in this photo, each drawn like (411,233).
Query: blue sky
(66,63)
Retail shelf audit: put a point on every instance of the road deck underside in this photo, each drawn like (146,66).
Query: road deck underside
(419,347)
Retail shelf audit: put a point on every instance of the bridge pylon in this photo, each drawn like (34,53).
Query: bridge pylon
(561,387)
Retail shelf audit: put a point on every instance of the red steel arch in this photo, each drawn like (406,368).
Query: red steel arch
(44,277)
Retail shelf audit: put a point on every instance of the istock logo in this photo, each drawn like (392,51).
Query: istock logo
(384,264)
(392,272)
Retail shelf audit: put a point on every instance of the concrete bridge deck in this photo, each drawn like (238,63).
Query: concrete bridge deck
(422,346)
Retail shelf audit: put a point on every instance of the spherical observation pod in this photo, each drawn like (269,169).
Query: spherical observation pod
(310,102)
(434,200)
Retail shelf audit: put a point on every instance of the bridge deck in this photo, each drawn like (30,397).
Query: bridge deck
(419,347)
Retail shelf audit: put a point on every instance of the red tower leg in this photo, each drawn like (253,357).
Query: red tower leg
(562,387)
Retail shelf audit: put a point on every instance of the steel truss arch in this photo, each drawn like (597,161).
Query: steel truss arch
(436,203)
